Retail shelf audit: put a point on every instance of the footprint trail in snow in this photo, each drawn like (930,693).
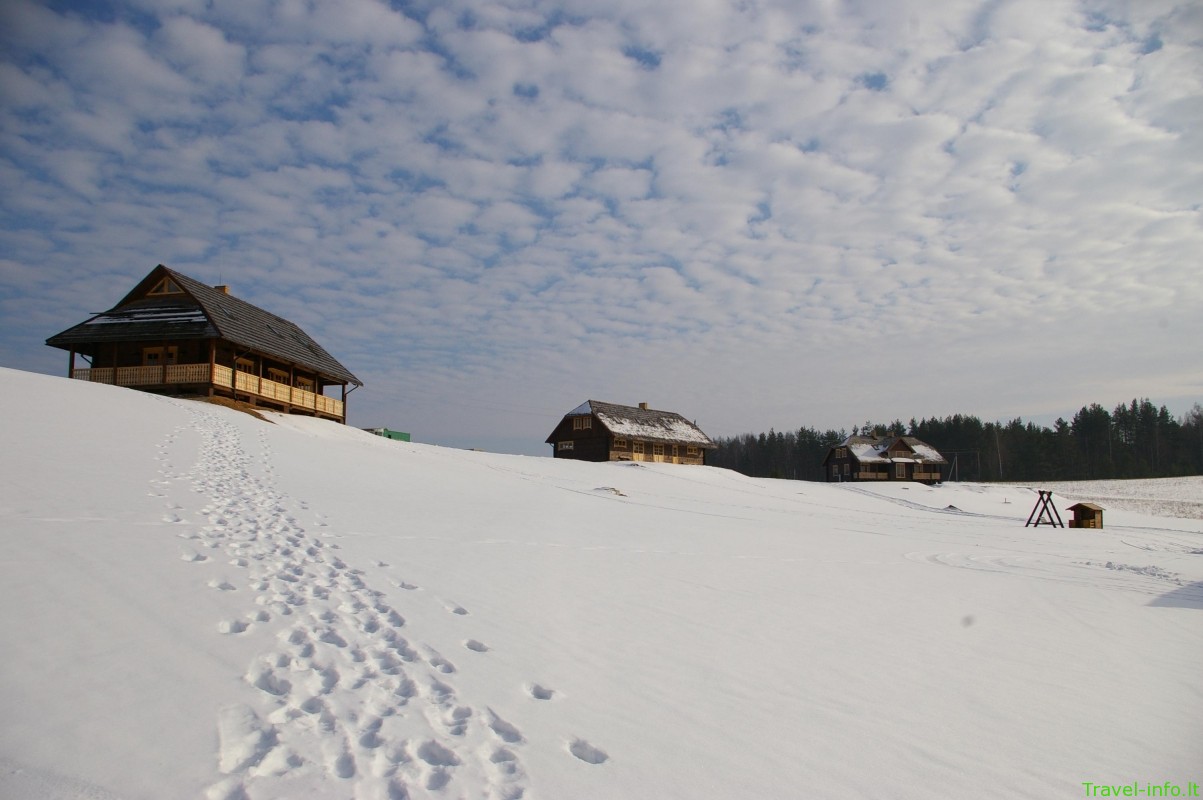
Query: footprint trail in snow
(344,694)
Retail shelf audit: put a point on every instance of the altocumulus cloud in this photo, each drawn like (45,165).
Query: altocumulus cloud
(757,213)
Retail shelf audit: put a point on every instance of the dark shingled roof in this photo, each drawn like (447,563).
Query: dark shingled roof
(647,424)
(202,313)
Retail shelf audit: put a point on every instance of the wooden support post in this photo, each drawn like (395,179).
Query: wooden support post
(212,365)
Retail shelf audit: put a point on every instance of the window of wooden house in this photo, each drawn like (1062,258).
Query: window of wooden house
(582,423)
(564,446)
(620,444)
(636,447)
(835,470)
(157,356)
(847,468)
(304,383)
(245,365)
(277,375)
(165,286)
(657,449)
(691,451)
(675,452)
(900,470)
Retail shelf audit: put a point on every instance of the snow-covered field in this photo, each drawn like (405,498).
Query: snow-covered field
(1162,497)
(201,604)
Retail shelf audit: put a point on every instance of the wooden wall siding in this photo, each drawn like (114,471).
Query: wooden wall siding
(588,444)
(849,469)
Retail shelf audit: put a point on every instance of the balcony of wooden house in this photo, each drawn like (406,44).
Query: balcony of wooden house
(217,379)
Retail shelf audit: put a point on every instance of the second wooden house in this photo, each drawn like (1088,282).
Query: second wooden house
(884,458)
(596,431)
(171,334)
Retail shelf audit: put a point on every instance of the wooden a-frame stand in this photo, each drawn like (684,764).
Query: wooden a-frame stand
(1045,513)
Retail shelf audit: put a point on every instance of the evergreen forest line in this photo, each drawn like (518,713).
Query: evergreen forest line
(1135,440)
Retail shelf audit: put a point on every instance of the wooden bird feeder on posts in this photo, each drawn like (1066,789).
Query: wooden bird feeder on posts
(1044,513)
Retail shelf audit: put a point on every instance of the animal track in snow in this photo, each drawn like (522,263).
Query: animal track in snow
(479,647)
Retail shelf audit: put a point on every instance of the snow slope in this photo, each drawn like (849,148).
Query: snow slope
(202,604)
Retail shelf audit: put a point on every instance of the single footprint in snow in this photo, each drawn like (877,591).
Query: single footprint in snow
(479,647)
(436,755)
(505,760)
(505,731)
(540,692)
(457,609)
(587,752)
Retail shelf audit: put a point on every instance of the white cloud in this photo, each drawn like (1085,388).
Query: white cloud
(713,202)
(200,50)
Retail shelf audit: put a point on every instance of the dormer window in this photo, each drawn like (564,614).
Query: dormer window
(165,287)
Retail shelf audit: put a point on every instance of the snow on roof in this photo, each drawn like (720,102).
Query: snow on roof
(866,452)
(923,451)
(644,423)
(871,450)
(161,314)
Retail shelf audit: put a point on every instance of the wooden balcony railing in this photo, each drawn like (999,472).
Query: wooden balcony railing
(216,375)
(623,455)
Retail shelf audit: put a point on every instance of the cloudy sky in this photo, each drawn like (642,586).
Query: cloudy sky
(756,213)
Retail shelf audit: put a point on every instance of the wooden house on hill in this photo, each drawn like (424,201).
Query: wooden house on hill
(175,335)
(885,458)
(595,431)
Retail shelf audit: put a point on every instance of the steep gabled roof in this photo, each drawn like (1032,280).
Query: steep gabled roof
(876,450)
(923,451)
(199,311)
(643,423)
